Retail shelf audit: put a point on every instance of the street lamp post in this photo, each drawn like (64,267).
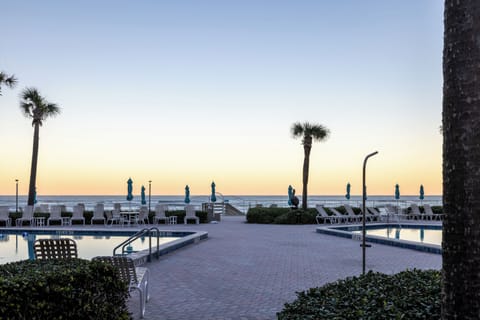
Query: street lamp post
(16,195)
(149,193)
(364,246)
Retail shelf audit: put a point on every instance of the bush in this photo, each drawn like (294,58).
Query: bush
(297,217)
(265,215)
(61,289)
(412,294)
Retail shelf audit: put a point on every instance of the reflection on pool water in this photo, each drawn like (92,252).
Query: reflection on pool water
(15,247)
(417,234)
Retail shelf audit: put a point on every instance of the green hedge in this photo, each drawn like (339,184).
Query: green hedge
(412,294)
(281,215)
(61,289)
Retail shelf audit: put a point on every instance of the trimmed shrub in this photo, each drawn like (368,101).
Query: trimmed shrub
(61,289)
(297,217)
(411,294)
(265,215)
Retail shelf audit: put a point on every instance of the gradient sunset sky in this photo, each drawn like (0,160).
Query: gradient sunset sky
(186,92)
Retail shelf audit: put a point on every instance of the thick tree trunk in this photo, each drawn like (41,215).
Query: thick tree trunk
(307,146)
(33,170)
(461,161)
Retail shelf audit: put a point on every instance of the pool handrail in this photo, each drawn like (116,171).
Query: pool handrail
(141,233)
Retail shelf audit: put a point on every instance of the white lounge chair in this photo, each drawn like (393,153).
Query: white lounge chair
(27,215)
(339,216)
(190,214)
(323,215)
(369,217)
(5,215)
(137,278)
(98,213)
(351,214)
(415,212)
(375,213)
(394,212)
(56,215)
(78,214)
(160,210)
(429,214)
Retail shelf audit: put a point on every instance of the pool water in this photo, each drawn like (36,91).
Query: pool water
(416,234)
(15,247)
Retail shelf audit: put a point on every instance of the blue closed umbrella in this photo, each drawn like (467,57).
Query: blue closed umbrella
(348,191)
(422,193)
(212,197)
(187,194)
(142,194)
(397,191)
(129,189)
(290,195)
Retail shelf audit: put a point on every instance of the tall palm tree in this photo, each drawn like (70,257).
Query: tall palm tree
(37,108)
(461,161)
(9,81)
(309,132)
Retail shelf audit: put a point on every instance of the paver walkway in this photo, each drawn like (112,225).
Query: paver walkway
(248,271)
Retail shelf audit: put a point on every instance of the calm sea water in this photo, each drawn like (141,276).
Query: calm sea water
(240,202)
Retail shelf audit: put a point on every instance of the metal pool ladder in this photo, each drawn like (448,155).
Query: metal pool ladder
(153,231)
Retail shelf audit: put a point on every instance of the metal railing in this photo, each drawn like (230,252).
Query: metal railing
(144,232)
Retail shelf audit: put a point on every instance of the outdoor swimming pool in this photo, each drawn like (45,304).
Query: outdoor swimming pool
(18,245)
(426,238)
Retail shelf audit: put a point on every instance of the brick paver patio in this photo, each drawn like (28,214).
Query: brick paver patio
(248,271)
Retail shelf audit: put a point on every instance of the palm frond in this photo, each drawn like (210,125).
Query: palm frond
(297,130)
(37,107)
(9,81)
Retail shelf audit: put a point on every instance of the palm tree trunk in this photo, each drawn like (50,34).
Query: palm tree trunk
(33,170)
(306,165)
(461,161)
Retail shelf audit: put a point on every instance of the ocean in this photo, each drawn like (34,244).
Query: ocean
(241,202)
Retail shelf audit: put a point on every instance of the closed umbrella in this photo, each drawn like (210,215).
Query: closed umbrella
(348,191)
(290,195)
(142,194)
(213,198)
(129,189)
(187,194)
(397,193)
(422,193)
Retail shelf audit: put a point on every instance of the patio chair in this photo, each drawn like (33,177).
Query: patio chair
(62,248)
(56,215)
(78,214)
(136,277)
(190,214)
(98,213)
(160,210)
(415,212)
(351,214)
(429,214)
(142,216)
(27,215)
(323,215)
(114,215)
(5,215)
(339,216)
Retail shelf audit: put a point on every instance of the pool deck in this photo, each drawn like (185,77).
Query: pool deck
(248,271)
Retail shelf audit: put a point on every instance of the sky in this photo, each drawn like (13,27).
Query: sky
(190,92)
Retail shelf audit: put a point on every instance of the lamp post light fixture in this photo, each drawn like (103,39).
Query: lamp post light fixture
(364,245)
(16,195)
(149,194)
